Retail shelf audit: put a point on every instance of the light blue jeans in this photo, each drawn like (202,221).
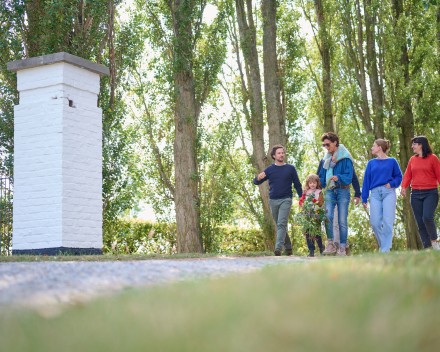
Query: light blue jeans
(337,197)
(382,213)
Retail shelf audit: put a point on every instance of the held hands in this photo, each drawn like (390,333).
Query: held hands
(334,178)
(261,176)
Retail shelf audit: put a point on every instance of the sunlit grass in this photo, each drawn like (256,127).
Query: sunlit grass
(124,257)
(375,303)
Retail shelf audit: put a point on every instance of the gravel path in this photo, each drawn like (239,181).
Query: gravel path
(45,283)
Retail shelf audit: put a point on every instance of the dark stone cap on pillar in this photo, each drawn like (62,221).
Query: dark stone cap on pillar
(18,65)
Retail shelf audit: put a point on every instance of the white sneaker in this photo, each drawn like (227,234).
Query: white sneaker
(435,245)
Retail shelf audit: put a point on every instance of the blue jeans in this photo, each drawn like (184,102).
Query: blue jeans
(424,203)
(280,212)
(382,213)
(341,198)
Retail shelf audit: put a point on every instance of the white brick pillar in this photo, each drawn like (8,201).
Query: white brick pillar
(57,156)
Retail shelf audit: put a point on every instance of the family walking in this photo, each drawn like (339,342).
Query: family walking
(330,188)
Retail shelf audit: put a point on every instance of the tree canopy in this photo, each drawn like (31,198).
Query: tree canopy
(200,90)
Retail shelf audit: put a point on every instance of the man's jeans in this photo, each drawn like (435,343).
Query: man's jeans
(424,203)
(280,211)
(382,213)
(337,197)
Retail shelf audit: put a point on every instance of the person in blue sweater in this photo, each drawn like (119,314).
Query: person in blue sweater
(382,177)
(336,175)
(280,176)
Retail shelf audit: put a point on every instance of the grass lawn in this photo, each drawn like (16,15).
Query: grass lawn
(124,257)
(372,303)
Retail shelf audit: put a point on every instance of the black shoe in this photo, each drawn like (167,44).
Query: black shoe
(321,249)
(289,252)
(312,253)
(277,252)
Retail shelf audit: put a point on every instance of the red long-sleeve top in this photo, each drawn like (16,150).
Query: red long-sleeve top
(422,173)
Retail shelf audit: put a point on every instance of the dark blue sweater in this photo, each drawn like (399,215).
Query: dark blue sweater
(354,182)
(280,179)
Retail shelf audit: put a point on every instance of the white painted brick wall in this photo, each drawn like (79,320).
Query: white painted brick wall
(58,159)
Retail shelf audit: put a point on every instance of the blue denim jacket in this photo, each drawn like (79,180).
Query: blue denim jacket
(343,170)
(354,182)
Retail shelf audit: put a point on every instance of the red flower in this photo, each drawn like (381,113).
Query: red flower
(314,200)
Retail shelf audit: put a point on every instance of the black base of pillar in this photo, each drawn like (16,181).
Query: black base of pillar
(58,251)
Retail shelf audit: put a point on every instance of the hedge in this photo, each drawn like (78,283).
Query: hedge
(140,236)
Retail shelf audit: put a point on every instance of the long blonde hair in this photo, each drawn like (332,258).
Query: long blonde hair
(312,177)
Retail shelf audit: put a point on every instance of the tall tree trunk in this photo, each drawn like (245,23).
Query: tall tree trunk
(189,238)
(438,37)
(376,88)
(259,158)
(357,58)
(275,118)
(406,123)
(324,49)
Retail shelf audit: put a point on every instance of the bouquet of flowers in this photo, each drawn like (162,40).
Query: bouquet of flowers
(311,216)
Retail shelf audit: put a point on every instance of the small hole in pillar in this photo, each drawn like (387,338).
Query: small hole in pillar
(70,103)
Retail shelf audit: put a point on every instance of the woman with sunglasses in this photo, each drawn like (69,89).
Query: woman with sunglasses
(423,173)
(382,177)
(336,176)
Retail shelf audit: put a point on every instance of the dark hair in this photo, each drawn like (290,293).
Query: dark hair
(426,148)
(274,150)
(333,137)
(384,144)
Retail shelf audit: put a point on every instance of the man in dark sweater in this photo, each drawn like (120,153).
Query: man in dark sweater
(280,176)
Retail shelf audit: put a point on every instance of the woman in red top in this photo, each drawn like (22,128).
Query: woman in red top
(423,173)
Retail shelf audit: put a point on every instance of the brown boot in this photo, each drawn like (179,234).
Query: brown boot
(330,249)
(341,252)
(289,252)
(347,249)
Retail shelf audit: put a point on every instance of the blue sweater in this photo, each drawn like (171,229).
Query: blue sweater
(280,179)
(354,181)
(379,173)
(343,170)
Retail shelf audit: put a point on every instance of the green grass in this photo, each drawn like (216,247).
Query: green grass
(123,257)
(372,303)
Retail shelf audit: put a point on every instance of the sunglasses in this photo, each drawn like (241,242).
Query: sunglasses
(326,144)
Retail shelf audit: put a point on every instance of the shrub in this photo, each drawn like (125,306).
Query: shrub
(139,236)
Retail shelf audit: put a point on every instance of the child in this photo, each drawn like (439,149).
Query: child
(312,185)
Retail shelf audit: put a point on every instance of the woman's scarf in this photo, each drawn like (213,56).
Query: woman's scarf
(340,153)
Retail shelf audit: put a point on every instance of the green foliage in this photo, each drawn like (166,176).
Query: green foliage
(138,236)
(138,99)
(311,216)
(85,29)
(144,237)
